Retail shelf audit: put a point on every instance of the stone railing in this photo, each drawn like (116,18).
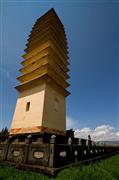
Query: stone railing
(54,152)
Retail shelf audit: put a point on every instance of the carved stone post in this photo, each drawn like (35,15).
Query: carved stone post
(94,148)
(70,146)
(89,143)
(80,150)
(28,141)
(52,151)
(79,142)
(6,148)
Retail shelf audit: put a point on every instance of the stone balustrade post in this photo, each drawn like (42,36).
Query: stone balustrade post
(27,141)
(79,142)
(89,144)
(70,146)
(6,147)
(52,151)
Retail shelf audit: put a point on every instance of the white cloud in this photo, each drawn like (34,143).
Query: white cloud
(101,133)
(117,133)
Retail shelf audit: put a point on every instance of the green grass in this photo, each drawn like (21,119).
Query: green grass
(107,169)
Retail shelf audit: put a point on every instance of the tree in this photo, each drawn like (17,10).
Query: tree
(4,131)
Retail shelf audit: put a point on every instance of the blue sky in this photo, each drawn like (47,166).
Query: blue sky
(92,33)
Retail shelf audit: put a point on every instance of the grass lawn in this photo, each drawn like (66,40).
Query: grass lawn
(107,169)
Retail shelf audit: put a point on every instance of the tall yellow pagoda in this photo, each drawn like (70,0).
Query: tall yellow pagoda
(41,105)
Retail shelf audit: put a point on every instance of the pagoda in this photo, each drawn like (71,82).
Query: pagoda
(41,105)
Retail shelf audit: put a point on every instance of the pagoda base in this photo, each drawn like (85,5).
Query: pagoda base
(36,129)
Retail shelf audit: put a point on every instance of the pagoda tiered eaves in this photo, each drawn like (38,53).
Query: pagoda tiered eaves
(41,47)
(47,29)
(46,56)
(45,78)
(46,69)
(47,60)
